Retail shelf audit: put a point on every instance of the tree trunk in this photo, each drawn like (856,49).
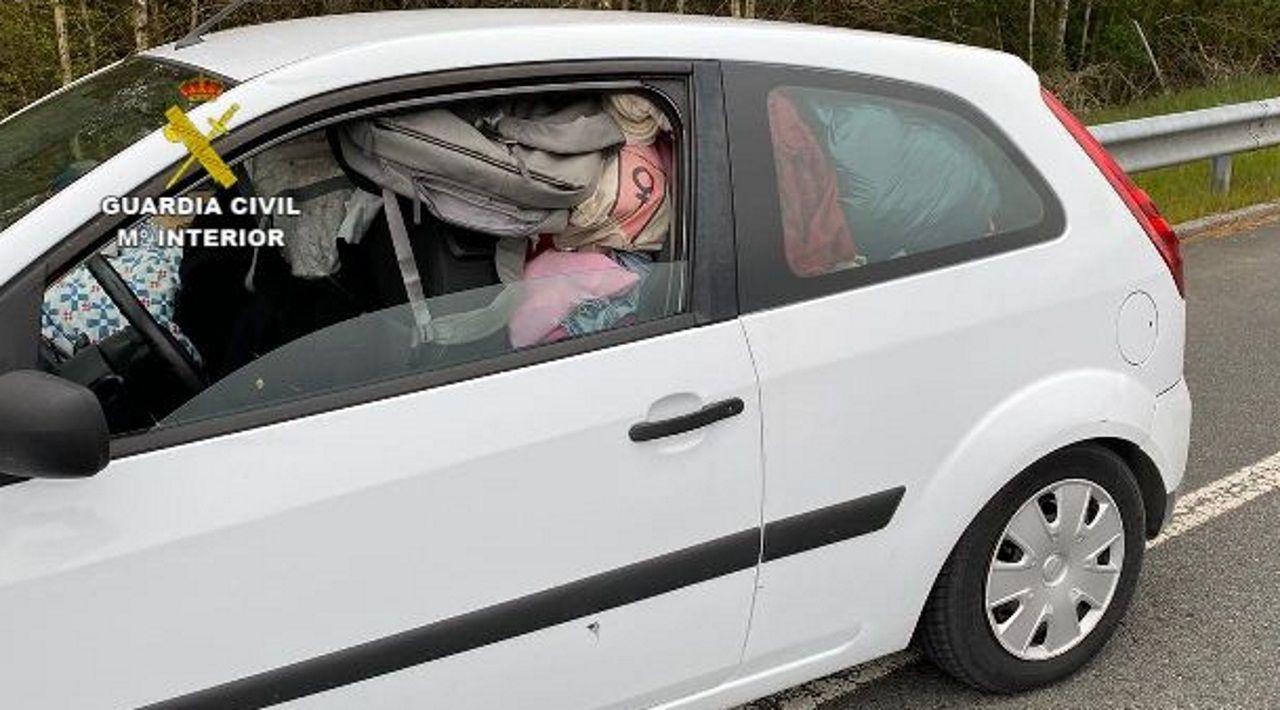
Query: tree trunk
(64,43)
(679,7)
(1031,34)
(140,40)
(1082,60)
(1150,55)
(91,38)
(1058,46)
(195,15)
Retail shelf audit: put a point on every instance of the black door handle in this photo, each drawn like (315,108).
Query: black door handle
(710,414)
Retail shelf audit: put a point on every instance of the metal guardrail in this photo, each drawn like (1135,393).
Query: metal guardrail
(1208,134)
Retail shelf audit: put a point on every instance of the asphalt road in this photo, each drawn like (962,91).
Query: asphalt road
(1204,630)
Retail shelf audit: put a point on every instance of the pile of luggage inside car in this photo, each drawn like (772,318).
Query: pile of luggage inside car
(492,224)
(566,199)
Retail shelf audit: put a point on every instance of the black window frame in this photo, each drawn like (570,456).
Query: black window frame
(705,212)
(765,280)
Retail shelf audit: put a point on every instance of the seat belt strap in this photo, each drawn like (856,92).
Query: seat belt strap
(480,323)
(508,258)
(408,267)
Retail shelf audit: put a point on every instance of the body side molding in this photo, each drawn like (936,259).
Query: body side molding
(517,617)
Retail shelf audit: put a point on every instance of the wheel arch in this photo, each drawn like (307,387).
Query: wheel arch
(1155,498)
(1140,465)
(1102,407)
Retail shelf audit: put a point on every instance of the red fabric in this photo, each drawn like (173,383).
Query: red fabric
(539,245)
(814,230)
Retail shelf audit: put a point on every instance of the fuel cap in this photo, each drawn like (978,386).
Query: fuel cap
(1137,327)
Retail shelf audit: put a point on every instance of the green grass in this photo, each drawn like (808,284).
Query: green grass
(1182,191)
(1234,91)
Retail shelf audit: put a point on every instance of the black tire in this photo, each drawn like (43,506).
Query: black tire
(954,630)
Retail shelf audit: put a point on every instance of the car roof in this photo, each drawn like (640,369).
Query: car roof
(247,52)
(283,64)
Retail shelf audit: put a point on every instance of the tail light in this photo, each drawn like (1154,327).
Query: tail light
(1138,201)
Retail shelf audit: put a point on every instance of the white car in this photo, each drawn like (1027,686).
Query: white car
(903,359)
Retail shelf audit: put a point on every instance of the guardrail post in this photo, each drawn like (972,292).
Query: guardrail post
(1220,178)
(1215,134)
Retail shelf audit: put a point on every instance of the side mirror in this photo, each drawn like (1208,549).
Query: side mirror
(50,427)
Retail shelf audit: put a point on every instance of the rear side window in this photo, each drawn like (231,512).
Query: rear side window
(852,180)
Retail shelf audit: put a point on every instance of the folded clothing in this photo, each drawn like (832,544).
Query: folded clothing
(599,314)
(556,284)
(639,118)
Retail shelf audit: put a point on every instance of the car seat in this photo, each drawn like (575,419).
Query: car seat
(76,311)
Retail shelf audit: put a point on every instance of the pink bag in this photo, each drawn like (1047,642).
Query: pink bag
(631,206)
(557,282)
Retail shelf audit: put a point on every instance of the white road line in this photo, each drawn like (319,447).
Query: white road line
(1222,496)
(1192,510)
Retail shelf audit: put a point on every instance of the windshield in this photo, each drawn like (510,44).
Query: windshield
(57,141)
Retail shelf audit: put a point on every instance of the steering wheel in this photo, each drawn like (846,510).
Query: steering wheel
(157,337)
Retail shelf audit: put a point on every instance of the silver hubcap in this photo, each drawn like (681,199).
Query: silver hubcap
(1055,569)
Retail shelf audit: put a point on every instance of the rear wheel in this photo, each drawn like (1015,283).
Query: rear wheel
(1040,580)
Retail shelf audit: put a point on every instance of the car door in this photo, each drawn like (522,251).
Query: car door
(884,314)
(570,525)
